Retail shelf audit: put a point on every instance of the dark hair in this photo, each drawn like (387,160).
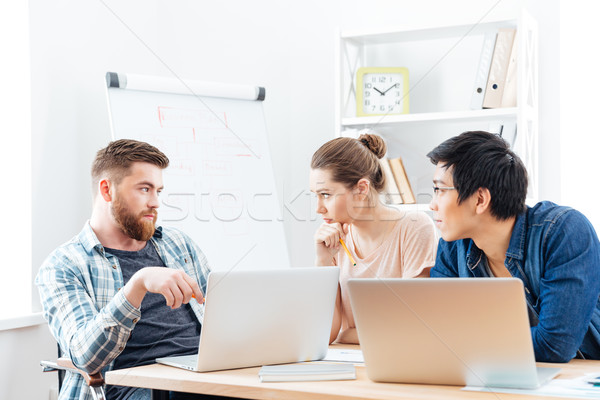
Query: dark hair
(350,160)
(484,160)
(116,158)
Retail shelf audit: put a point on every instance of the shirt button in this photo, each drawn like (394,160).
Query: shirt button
(121,348)
(135,320)
(114,266)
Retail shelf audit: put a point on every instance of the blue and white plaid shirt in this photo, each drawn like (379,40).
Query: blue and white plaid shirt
(87,312)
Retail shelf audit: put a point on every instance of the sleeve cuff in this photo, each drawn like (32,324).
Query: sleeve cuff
(121,312)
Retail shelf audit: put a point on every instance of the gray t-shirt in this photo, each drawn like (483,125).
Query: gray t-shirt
(160,332)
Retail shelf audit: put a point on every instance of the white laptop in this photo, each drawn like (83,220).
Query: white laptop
(254,318)
(454,331)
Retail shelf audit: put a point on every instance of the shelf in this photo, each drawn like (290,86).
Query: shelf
(442,61)
(460,116)
(428,33)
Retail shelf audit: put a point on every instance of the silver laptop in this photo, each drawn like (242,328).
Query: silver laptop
(254,318)
(454,331)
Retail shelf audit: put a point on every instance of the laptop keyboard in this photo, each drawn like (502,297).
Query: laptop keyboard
(190,360)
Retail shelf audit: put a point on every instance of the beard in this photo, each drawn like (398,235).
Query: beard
(133,225)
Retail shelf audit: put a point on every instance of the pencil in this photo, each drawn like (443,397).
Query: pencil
(348,252)
(203,300)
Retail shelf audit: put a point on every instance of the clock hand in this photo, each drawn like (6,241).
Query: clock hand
(393,86)
(379,91)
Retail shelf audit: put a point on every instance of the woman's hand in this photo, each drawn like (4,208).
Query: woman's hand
(327,242)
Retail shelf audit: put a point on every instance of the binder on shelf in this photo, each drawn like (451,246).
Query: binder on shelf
(499,68)
(402,181)
(509,97)
(391,194)
(483,71)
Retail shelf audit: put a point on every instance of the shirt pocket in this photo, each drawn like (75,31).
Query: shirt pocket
(184,261)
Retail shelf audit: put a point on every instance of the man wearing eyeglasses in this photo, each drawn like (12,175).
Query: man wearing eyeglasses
(480,187)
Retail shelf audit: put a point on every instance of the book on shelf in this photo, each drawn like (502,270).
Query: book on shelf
(307,372)
(402,181)
(495,128)
(509,133)
(391,192)
(483,71)
(499,68)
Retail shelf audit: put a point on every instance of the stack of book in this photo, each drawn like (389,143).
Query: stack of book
(496,78)
(398,189)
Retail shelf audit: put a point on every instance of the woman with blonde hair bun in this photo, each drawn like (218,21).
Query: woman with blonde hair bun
(347,177)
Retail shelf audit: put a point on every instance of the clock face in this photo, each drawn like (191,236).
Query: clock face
(382,93)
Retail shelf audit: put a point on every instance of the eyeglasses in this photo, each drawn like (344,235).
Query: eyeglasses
(441,189)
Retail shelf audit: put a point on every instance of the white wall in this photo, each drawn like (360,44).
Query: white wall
(285,46)
(21,376)
(15,150)
(579,106)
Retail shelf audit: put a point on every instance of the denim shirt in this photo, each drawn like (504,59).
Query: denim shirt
(555,251)
(88,314)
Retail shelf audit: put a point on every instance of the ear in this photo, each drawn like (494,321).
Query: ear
(105,189)
(363,186)
(483,199)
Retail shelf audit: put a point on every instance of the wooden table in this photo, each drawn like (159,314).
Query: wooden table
(244,383)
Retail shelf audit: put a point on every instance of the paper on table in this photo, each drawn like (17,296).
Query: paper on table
(575,388)
(341,355)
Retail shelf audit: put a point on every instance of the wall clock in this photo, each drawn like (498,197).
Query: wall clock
(381,91)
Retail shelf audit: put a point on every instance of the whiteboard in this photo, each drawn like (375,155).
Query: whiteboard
(219,187)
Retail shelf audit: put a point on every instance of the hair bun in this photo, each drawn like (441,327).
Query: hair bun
(374,143)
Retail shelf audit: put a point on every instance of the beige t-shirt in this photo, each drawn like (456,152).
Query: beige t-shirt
(409,248)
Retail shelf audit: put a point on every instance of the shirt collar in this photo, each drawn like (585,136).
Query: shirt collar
(516,246)
(473,255)
(89,240)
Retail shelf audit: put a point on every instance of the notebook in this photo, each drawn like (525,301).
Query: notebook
(307,372)
(254,318)
(452,331)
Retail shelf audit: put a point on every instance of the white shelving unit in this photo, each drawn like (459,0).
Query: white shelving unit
(442,63)
(470,115)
